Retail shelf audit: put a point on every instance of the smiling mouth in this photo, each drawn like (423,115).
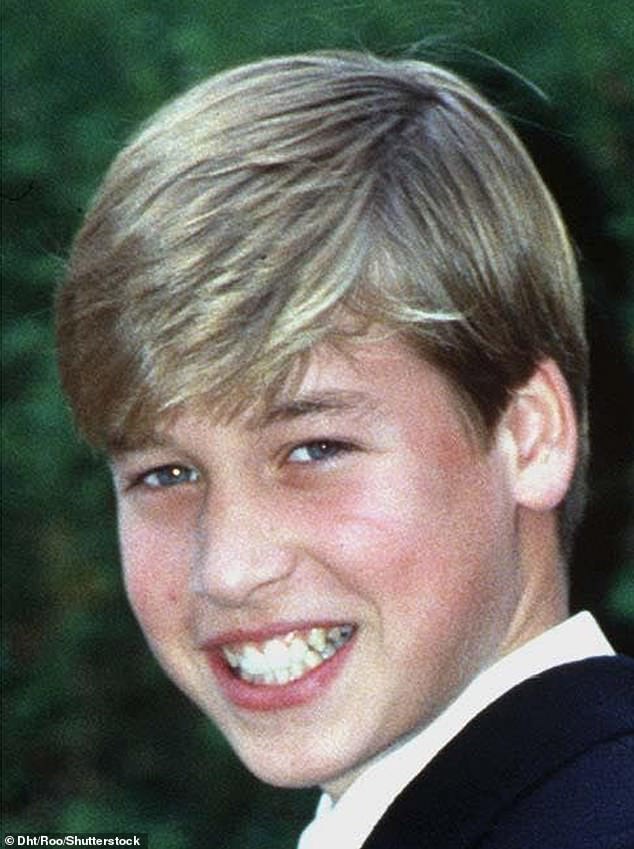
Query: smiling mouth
(287,658)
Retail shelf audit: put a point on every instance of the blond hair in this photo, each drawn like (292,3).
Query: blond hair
(261,208)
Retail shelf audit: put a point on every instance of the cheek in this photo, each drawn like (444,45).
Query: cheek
(422,538)
(155,575)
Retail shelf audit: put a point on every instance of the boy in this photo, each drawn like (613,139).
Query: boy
(325,318)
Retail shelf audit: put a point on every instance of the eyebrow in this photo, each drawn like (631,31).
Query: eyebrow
(335,401)
(121,446)
(326,402)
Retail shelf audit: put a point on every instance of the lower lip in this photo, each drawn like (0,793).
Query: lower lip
(263,697)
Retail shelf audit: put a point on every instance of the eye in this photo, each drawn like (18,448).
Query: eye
(318,451)
(166,476)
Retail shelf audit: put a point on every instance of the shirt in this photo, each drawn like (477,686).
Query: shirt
(349,822)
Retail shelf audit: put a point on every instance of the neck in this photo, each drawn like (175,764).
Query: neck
(545,598)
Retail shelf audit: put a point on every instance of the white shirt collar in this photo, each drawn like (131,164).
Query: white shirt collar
(347,824)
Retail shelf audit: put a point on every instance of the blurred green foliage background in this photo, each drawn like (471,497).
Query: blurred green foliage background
(94,738)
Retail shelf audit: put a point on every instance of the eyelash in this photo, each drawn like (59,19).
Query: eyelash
(180,475)
(330,449)
(327,450)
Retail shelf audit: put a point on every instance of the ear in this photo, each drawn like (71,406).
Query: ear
(539,435)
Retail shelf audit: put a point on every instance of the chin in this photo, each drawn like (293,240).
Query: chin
(288,778)
(294,769)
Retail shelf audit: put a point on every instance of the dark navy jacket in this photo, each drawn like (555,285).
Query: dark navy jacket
(549,765)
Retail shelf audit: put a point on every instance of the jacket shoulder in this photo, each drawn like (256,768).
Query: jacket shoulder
(586,803)
(520,773)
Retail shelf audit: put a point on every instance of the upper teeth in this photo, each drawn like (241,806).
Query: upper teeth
(287,658)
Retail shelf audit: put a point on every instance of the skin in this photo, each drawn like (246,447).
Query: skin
(365,500)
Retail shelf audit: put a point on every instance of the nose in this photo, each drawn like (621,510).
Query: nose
(243,549)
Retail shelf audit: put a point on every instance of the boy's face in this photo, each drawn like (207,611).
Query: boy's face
(325,579)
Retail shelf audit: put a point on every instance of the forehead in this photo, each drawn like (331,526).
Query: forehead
(377,379)
(375,375)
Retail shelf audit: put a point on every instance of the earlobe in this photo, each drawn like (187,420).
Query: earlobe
(540,433)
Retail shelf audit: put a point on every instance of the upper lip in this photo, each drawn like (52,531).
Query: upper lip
(235,636)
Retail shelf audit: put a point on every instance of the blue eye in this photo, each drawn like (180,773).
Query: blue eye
(317,451)
(165,476)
